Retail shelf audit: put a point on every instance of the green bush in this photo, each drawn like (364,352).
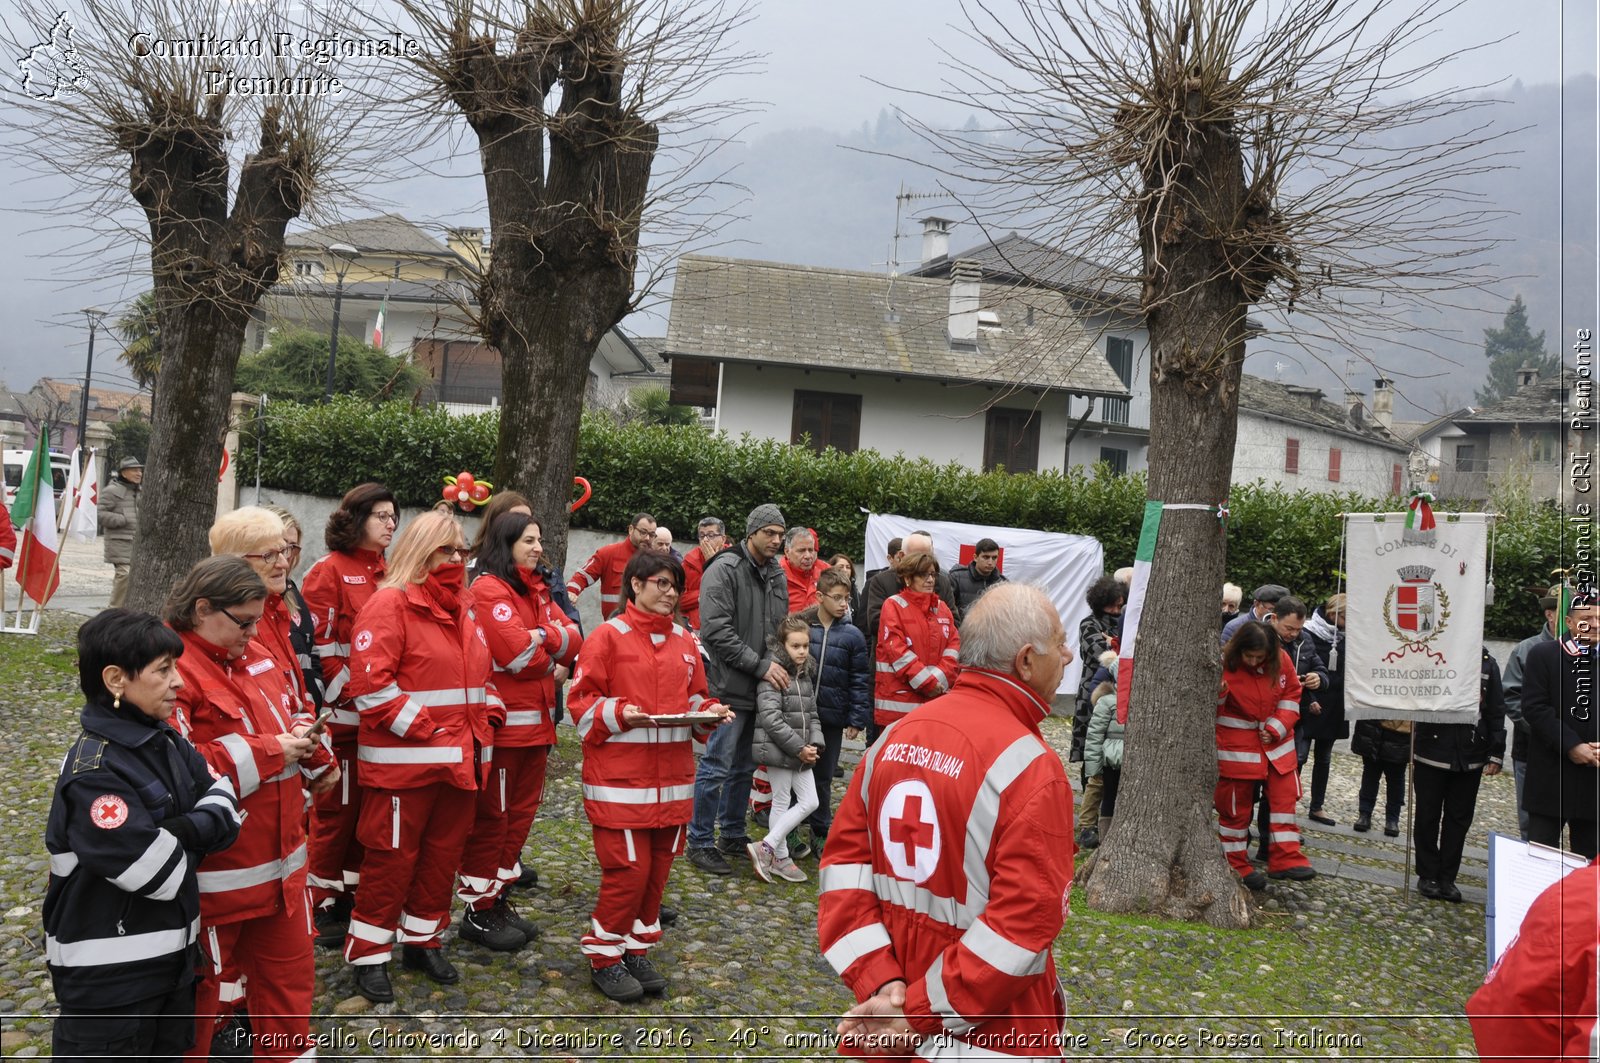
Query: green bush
(681,474)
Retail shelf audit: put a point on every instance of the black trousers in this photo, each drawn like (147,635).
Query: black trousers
(1372,770)
(1110,779)
(822,771)
(1319,751)
(1446,801)
(156,1030)
(1584,834)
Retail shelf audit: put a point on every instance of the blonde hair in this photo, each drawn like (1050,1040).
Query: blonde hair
(245,530)
(1334,604)
(288,519)
(412,551)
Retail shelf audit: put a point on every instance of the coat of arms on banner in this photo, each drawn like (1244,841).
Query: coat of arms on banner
(1416,610)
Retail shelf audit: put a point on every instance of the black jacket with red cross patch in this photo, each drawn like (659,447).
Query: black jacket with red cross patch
(135,807)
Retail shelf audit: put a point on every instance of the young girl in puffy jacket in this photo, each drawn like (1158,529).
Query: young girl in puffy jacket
(788,741)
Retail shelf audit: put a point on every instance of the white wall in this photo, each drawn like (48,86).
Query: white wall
(1258,453)
(1103,327)
(921,418)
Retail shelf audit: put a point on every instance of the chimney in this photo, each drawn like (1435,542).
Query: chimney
(935,239)
(964,285)
(1527,376)
(1383,402)
(1353,402)
(468,243)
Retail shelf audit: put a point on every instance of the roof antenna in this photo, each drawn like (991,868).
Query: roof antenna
(900,200)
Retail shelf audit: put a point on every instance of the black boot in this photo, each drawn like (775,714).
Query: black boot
(333,922)
(668,916)
(508,915)
(529,879)
(372,982)
(489,928)
(645,973)
(1363,823)
(430,962)
(617,982)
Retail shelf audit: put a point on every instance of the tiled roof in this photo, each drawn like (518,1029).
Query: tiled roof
(775,314)
(430,292)
(1018,258)
(389,233)
(1297,404)
(1539,403)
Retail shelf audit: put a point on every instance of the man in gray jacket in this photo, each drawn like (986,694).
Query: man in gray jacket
(119,522)
(743,595)
(1512,684)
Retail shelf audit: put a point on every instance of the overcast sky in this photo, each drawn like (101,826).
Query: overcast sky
(822,57)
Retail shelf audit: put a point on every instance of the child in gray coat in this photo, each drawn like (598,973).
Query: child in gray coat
(788,740)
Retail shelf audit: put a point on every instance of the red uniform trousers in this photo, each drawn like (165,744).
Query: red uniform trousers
(506,806)
(273,955)
(1234,803)
(413,840)
(333,858)
(634,865)
(760,790)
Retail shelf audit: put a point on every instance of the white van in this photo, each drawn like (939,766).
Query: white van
(16,463)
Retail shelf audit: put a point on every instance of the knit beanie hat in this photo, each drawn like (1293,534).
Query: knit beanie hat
(763,516)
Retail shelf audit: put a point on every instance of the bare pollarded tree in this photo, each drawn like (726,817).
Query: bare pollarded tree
(1224,158)
(595,121)
(215,130)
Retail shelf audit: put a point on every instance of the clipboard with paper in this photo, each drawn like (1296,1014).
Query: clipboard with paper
(1518,872)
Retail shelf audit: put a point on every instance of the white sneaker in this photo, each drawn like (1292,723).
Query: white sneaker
(786,869)
(762,856)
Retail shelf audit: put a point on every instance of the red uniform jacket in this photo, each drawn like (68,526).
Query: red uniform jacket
(694,569)
(528,637)
(233,712)
(917,651)
(949,865)
(1539,1000)
(421,679)
(8,540)
(604,568)
(1248,700)
(273,633)
(336,588)
(802,585)
(638,777)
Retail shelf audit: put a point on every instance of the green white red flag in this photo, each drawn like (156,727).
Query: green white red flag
(377,328)
(1142,560)
(34,512)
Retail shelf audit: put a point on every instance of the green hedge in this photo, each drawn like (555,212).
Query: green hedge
(682,474)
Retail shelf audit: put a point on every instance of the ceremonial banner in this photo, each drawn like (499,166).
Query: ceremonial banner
(1063,566)
(1414,618)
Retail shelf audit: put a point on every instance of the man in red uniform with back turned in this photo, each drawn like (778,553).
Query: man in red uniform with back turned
(606,564)
(948,868)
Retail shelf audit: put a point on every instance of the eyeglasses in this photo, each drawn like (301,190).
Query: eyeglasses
(454,553)
(712,536)
(291,548)
(271,556)
(244,625)
(837,599)
(386,518)
(663,584)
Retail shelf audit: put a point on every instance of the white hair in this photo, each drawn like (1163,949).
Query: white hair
(1004,622)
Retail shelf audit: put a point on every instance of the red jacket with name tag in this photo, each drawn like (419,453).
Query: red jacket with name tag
(528,637)
(918,647)
(949,866)
(1249,700)
(638,777)
(335,589)
(233,712)
(420,674)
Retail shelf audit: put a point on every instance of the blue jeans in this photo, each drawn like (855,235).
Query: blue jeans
(722,783)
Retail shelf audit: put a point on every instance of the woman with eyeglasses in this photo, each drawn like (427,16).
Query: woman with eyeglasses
(338,585)
(237,709)
(258,535)
(302,629)
(638,769)
(421,677)
(533,644)
(918,644)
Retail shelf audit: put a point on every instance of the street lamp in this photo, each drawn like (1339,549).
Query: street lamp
(94,315)
(346,254)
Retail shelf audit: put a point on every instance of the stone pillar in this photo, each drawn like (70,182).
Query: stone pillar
(240,406)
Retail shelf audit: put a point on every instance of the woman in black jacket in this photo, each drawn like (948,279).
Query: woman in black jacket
(1450,760)
(1325,723)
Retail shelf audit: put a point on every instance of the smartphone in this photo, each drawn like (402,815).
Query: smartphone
(321,724)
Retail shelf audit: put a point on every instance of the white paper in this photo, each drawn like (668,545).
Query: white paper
(1518,872)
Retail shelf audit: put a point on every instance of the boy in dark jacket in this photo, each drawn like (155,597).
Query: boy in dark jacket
(135,808)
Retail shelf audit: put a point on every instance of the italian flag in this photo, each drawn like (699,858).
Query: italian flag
(1131,612)
(34,511)
(377,328)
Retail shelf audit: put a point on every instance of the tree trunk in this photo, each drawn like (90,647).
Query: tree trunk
(1173,863)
